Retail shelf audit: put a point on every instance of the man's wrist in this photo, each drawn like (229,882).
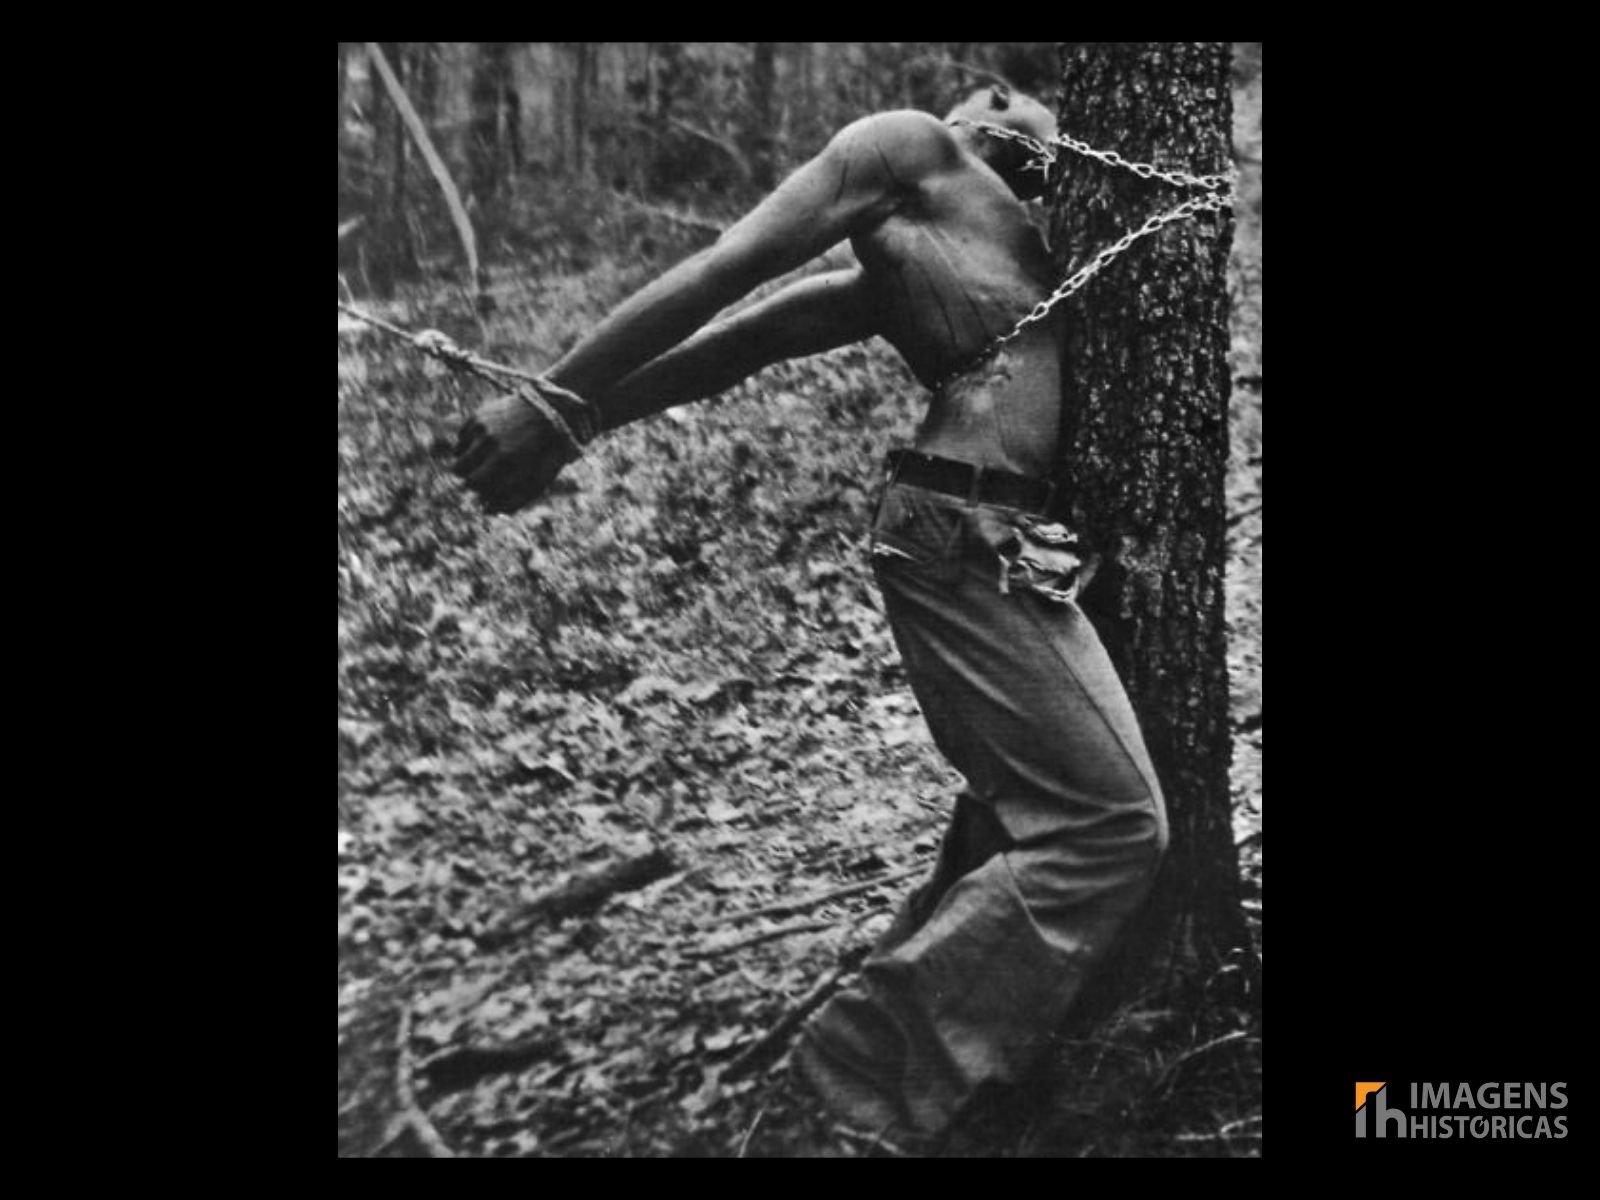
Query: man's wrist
(579,420)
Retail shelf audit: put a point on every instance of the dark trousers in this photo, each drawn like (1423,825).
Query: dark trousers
(1050,849)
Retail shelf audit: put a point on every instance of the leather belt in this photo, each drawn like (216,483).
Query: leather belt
(977,485)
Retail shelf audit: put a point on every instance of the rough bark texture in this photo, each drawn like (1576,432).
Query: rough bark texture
(1145,445)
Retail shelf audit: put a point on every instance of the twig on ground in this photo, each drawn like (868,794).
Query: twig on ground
(786,907)
(411,1117)
(582,895)
(744,1142)
(765,935)
(768,1046)
(460,1069)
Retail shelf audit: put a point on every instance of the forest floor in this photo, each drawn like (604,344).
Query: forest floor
(680,649)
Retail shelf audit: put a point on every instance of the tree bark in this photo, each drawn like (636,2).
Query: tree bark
(1144,450)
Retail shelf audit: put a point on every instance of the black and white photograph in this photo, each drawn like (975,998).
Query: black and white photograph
(800,528)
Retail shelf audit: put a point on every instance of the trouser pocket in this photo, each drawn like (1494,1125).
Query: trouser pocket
(1043,557)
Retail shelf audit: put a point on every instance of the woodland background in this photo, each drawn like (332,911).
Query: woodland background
(680,650)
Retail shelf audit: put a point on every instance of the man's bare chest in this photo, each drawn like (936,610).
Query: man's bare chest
(959,245)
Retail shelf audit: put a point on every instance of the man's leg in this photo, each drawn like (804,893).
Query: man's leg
(1021,697)
(972,836)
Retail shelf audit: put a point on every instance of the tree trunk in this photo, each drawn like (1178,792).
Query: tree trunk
(426,68)
(1144,450)
(392,253)
(488,149)
(583,85)
(763,77)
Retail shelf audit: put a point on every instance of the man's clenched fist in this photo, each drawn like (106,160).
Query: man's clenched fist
(509,453)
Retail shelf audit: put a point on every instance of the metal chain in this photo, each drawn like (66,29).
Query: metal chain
(1085,273)
(1042,151)
(439,345)
(1146,170)
(1216,200)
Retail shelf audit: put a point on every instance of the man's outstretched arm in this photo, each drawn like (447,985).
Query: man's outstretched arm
(862,176)
(506,453)
(809,316)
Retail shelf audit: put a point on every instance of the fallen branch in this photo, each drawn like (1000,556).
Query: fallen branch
(350,226)
(582,895)
(786,907)
(770,1045)
(756,939)
(1240,517)
(411,1118)
(460,1069)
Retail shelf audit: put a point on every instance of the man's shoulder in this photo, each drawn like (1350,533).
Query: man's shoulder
(910,142)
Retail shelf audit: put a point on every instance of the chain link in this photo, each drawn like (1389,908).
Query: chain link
(1216,200)
(1046,157)
(1078,278)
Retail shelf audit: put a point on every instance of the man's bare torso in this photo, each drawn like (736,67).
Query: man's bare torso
(952,267)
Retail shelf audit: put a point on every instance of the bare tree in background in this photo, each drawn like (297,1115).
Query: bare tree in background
(495,148)
(764,116)
(391,252)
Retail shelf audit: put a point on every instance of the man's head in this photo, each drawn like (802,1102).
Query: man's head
(999,105)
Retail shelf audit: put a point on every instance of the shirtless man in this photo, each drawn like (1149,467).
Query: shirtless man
(1054,842)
